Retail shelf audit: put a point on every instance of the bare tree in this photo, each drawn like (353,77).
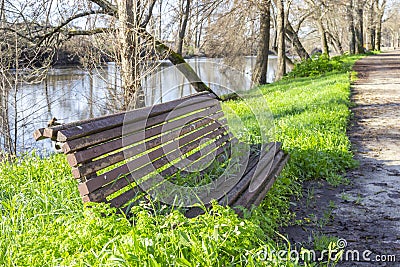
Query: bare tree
(335,26)
(319,10)
(106,11)
(129,43)
(19,64)
(231,34)
(391,25)
(260,69)
(293,36)
(370,31)
(359,26)
(351,31)
(280,21)
(184,17)
(379,11)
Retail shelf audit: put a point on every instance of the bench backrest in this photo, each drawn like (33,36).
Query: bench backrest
(109,155)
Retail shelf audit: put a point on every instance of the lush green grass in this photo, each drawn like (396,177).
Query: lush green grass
(44,222)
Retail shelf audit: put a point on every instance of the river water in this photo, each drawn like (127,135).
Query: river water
(71,94)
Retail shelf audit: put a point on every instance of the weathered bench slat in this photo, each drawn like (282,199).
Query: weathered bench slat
(130,117)
(52,132)
(263,178)
(39,134)
(113,187)
(122,199)
(234,194)
(131,127)
(264,167)
(104,137)
(148,162)
(96,151)
(127,197)
(238,189)
(136,190)
(277,168)
(94,166)
(222,144)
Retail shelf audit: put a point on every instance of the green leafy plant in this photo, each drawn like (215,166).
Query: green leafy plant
(317,65)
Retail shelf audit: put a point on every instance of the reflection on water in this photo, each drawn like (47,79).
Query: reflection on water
(71,94)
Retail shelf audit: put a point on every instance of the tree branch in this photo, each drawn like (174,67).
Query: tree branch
(179,62)
(106,6)
(88,32)
(149,14)
(17,33)
(67,21)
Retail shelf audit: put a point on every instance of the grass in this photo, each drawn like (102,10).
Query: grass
(45,224)
(322,241)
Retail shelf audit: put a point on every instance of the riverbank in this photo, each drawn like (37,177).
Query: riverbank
(44,222)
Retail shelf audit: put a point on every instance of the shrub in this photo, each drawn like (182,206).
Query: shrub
(317,65)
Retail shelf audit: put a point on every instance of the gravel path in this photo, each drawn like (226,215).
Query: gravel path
(367,213)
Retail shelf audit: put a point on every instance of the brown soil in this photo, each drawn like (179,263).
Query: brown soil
(365,213)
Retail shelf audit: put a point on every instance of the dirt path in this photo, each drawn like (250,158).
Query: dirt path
(366,213)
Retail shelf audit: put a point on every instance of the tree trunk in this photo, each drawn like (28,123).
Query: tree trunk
(182,30)
(5,133)
(129,42)
(370,42)
(351,32)
(2,14)
(335,43)
(324,41)
(293,36)
(378,35)
(160,22)
(372,37)
(261,67)
(380,9)
(5,129)
(199,36)
(281,69)
(359,27)
(274,44)
(197,30)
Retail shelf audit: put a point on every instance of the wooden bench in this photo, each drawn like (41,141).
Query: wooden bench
(124,158)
